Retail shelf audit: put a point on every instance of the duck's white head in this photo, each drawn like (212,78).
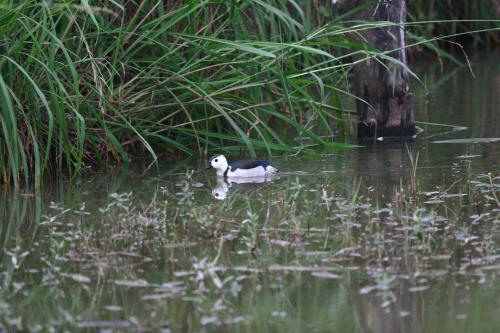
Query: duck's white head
(219,163)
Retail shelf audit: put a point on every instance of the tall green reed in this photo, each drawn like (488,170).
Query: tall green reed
(81,83)
(85,83)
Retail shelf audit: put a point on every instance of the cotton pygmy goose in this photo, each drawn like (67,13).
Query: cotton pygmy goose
(250,168)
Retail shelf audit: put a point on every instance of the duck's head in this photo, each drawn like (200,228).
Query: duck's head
(218,162)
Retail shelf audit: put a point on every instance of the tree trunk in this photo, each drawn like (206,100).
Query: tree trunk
(383,85)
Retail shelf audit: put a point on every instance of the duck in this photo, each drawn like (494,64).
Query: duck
(242,169)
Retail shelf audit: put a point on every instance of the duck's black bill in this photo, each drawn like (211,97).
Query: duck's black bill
(208,167)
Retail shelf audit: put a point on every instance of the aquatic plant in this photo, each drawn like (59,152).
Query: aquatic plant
(190,261)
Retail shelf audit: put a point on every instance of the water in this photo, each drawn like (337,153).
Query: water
(363,240)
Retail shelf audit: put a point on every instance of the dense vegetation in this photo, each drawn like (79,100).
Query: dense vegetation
(89,81)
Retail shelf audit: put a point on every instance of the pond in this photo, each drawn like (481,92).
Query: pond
(384,238)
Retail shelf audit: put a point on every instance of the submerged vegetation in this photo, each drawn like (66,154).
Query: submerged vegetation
(88,82)
(303,252)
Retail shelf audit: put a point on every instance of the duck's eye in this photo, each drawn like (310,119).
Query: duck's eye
(216,160)
(216,194)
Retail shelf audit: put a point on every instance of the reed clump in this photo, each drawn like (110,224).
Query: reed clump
(83,83)
(104,81)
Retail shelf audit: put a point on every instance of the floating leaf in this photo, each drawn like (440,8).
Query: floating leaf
(418,289)
(77,277)
(470,140)
(325,275)
(132,283)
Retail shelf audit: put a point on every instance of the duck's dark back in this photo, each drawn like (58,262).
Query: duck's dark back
(244,164)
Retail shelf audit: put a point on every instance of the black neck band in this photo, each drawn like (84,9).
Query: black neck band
(225,172)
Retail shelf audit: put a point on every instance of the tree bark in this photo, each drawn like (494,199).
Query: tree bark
(383,85)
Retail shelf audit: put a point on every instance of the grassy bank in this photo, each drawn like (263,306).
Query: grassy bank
(104,82)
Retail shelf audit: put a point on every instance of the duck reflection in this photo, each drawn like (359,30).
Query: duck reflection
(223,185)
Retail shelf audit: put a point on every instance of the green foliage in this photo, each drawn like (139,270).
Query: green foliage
(85,82)
(104,81)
